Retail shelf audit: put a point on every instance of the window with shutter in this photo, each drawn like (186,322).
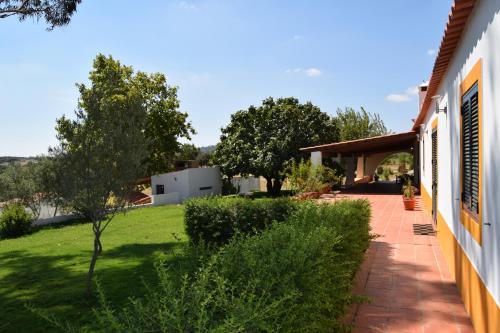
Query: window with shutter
(470,151)
(471,214)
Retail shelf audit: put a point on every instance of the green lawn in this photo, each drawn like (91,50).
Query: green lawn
(48,268)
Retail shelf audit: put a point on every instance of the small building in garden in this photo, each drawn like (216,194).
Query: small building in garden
(175,187)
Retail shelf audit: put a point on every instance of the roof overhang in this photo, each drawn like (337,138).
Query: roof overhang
(377,144)
(457,21)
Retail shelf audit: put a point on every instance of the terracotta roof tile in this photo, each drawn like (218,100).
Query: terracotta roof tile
(457,21)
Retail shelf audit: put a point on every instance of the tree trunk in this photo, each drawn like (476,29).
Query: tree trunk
(99,245)
(88,291)
(276,187)
(269,185)
(55,210)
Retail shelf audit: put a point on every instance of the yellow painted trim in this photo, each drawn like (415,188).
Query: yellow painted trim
(435,123)
(480,305)
(473,225)
(426,198)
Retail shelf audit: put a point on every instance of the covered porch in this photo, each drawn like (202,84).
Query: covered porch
(362,157)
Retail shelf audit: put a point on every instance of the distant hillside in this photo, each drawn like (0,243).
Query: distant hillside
(10,159)
(207,149)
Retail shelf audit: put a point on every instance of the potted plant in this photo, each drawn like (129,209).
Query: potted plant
(409,195)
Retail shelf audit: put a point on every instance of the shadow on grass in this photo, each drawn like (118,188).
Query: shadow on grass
(55,284)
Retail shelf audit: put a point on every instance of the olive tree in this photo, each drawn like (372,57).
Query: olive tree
(22,184)
(102,150)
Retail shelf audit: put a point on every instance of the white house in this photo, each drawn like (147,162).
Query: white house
(455,141)
(459,138)
(175,187)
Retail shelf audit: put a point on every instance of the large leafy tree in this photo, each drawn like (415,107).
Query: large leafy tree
(263,140)
(54,12)
(102,151)
(361,124)
(164,124)
(188,152)
(126,122)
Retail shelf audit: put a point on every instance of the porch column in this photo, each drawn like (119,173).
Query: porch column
(316,158)
(360,170)
(349,174)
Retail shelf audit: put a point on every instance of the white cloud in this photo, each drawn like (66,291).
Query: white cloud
(313,72)
(297,37)
(199,79)
(400,98)
(397,98)
(187,5)
(412,91)
(431,52)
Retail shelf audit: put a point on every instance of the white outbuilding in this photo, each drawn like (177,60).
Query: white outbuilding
(175,187)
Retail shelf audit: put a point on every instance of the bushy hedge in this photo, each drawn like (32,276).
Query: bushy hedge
(14,221)
(293,277)
(214,220)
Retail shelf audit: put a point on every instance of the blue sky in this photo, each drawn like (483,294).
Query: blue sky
(224,55)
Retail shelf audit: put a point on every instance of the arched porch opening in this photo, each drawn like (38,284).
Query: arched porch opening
(392,166)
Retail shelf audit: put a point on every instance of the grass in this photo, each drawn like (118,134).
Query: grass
(47,269)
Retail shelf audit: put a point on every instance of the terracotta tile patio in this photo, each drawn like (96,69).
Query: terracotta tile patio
(406,276)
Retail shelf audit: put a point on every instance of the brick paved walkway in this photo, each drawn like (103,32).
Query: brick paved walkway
(406,277)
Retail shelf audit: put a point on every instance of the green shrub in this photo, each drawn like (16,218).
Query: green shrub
(215,219)
(305,177)
(14,221)
(292,277)
(387,173)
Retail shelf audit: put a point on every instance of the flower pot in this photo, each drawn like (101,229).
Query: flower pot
(409,203)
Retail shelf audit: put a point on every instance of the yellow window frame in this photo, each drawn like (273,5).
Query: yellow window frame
(472,223)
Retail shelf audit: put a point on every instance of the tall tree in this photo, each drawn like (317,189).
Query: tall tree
(188,152)
(361,124)
(263,140)
(102,151)
(55,12)
(165,124)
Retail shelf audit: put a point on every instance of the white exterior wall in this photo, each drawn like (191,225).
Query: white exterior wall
(186,184)
(481,40)
(166,199)
(204,177)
